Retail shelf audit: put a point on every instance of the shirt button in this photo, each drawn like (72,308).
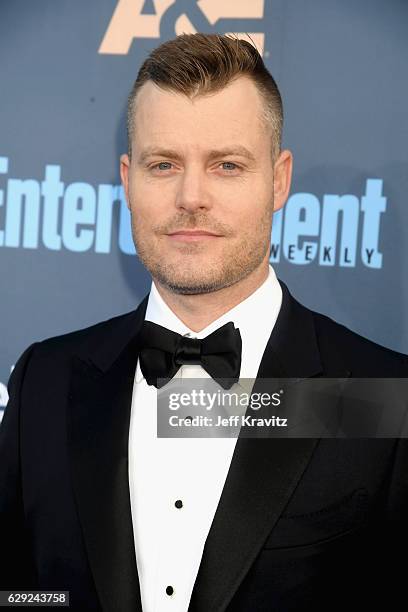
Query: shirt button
(178,503)
(169,590)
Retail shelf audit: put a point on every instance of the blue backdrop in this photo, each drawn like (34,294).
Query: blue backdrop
(66,254)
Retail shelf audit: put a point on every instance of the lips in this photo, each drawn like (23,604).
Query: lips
(192,233)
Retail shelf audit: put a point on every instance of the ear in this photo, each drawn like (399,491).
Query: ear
(124,175)
(282,174)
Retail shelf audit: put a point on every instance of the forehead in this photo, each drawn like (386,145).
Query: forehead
(233,115)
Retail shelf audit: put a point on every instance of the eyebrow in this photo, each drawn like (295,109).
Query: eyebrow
(239,150)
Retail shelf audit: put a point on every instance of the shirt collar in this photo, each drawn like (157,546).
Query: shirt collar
(254,317)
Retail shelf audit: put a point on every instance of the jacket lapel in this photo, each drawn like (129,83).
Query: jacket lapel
(263,472)
(98,432)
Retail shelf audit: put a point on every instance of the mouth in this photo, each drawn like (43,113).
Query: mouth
(192,235)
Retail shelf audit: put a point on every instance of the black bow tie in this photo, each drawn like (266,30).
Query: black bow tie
(162,352)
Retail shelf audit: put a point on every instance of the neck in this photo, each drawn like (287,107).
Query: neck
(198,311)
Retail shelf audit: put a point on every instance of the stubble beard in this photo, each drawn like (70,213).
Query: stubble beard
(187,275)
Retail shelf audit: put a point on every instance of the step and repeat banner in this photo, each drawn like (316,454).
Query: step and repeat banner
(66,254)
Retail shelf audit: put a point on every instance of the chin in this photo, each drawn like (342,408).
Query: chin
(189,281)
(196,282)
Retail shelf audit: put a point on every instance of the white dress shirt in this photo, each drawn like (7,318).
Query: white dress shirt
(169,537)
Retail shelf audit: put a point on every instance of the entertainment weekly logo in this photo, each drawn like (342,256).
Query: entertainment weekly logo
(163,19)
(47,213)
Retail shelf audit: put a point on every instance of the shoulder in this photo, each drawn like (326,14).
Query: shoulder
(340,349)
(362,356)
(80,339)
(56,352)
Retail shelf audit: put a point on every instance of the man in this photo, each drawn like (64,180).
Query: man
(92,501)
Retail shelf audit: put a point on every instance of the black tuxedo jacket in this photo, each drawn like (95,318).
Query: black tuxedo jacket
(302,524)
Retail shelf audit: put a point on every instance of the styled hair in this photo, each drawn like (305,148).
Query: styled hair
(199,64)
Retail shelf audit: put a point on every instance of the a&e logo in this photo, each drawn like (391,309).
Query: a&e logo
(164,19)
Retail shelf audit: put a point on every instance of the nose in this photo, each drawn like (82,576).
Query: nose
(193,193)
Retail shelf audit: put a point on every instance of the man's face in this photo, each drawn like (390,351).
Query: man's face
(202,165)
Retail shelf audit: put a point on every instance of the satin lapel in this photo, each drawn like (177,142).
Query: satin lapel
(98,432)
(263,472)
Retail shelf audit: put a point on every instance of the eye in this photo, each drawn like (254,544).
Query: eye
(229,166)
(162,166)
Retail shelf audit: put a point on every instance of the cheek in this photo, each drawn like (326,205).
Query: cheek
(148,205)
(252,209)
